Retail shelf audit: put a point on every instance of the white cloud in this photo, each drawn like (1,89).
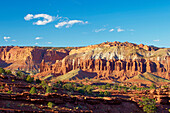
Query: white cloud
(62,21)
(14,40)
(69,23)
(46,18)
(29,17)
(49,42)
(37,38)
(131,30)
(99,30)
(120,30)
(36,43)
(156,40)
(111,30)
(6,38)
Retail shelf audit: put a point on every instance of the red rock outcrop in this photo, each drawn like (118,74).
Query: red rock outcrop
(123,61)
(28,58)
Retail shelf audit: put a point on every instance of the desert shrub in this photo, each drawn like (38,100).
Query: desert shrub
(9,92)
(50,105)
(58,84)
(55,91)
(125,90)
(48,89)
(29,79)
(104,87)
(107,85)
(149,105)
(68,86)
(33,90)
(106,93)
(80,90)
(2,71)
(153,86)
(133,87)
(101,93)
(43,84)
(2,87)
(38,81)
(115,87)
(20,74)
(8,72)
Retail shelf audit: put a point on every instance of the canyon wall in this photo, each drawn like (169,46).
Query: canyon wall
(28,58)
(110,61)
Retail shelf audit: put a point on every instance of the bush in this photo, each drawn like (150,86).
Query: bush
(38,81)
(29,79)
(33,90)
(9,92)
(20,74)
(43,84)
(8,72)
(149,105)
(106,94)
(50,105)
(133,87)
(2,71)
(108,85)
(153,86)
(48,89)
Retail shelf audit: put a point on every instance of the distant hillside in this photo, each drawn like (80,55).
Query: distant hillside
(78,73)
(147,78)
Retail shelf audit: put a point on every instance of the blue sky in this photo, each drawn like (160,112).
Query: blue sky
(62,23)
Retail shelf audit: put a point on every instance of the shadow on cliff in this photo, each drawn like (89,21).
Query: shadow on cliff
(3,64)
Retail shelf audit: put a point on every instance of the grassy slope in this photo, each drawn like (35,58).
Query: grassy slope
(148,77)
(68,75)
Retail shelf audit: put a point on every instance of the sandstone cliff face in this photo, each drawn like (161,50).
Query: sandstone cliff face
(27,58)
(114,60)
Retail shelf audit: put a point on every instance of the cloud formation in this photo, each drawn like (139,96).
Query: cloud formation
(99,30)
(49,42)
(131,30)
(6,38)
(37,38)
(156,40)
(62,21)
(111,30)
(14,40)
(69,23)
(120,30)
(46,18)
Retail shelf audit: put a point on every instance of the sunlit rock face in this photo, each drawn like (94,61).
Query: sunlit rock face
(114,60)
(28,58)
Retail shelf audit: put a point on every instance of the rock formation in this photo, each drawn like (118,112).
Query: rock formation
(28,58)
(114,60)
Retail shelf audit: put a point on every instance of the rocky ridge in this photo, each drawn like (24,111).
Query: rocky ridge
(114,60)
(28,58)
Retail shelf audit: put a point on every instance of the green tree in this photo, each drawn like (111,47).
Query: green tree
(43,84)
(101,93)
(2,71)
(149,105)
(48,89)
(9,92)
(8,72)
(108,85)
(153,86)
(38,81)
(50,105)
(20,74)
(29,79)
(106,94)
(33,90)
